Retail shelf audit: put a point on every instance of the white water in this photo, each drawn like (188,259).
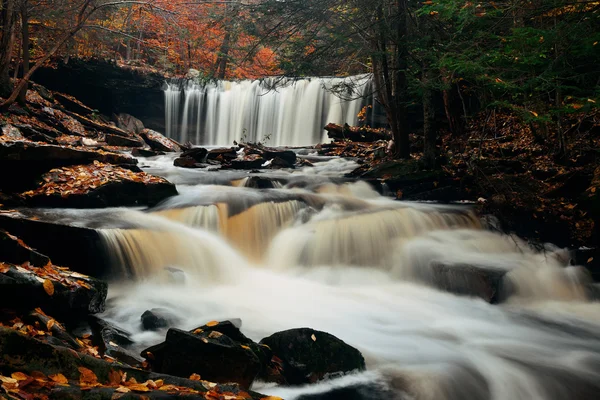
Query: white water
(274,111)
(357,265)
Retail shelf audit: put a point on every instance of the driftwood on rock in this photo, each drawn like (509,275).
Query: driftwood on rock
(355,133)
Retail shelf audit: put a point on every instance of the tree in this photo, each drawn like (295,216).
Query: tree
(7,39)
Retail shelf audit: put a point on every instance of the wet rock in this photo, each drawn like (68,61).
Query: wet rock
(9,132)
(128,123)
(121,141)
(137,152)
(59,333)
(186,162)
(158,142)
(222,155)
(28,160)
(215,355)
(588,258)
(247,164)
(197,153)
(466,280)
(309,356)
(75,247)
(157,318)
(37,134)
(71,104)
(25,354)
(96,186)
(278,163)
(113,341)
(15,251)
(59,292)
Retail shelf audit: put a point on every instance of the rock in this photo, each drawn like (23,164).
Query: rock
(288,157)
(72,104)
(309,356)
(157,318)
(359,391)
(467,280)
(75,247)
(219,353)
(197,153)
(133,141)
(59,292)
(37,134)
(186,162)
(113,341)
(26,354)
(15,251)
(59,333)
(158,142)
(29,160)
(277,163)
(97,186)
(222,155)
(10,132)
(137,152)
(128,123)
(247,164)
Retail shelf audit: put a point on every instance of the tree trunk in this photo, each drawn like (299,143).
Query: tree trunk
(7,18)
(401,83)
(430,152)
(25,49)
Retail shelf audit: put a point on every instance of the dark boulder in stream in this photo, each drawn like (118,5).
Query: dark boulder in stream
(309,356)
(158,142)
(157,318)
(216,356)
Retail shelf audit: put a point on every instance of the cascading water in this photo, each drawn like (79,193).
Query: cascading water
(375,272)
(274,111)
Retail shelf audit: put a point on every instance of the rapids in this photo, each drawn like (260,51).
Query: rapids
(318,251)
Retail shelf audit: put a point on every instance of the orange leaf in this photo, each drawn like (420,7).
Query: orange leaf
(212,323)
(48,287)
(19,376)
(58,378)
(590,260)
(195,377)
(4,268)
(139,388)
(87,376)
(50,324)
(114,377)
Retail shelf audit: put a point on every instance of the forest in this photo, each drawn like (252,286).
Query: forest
(299,199)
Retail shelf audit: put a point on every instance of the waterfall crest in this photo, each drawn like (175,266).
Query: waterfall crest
(275,111)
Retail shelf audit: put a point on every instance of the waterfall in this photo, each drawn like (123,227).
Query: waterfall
(274,111)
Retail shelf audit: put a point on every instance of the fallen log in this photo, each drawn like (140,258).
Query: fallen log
(356,133)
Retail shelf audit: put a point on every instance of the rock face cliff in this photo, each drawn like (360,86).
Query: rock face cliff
(109,88)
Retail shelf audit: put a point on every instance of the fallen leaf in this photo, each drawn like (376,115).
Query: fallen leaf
(87,376)
(49,287)
(313,337)
(590,260)
(195,377)
(271,398)
(4,268)
(50,324)
(19,376)
(212,323)
(122,389)
(58,378)
(139,388)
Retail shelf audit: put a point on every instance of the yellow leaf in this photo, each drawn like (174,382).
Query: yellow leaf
(122,389)
(48,287)
(58,378)
(139,388)
(195,377)
(50,324)
(313,337)
(212,323)
(197,331)
(534,113)
(19,376)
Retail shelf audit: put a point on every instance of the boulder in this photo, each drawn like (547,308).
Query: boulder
(158,142)
(59,291)
(278,163)
(222,155)
(137,152)
(466,280)
(96,186)
(197,153)
(309,356)
(247,164)
(15,251)
(28,160)
(121,141)
(187,162)
(157,318)
(128,123)
(25,354)
(75,247)
(70,103)
(113,341)
(218,352)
